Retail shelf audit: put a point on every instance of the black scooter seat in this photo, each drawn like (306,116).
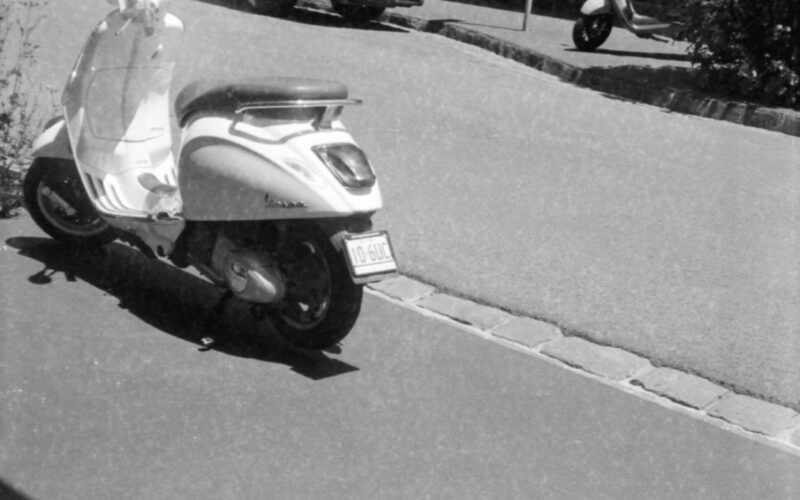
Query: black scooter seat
(225,97)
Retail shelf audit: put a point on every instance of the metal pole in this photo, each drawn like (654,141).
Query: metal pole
(528,5)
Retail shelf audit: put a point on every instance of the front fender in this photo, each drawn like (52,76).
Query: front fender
(596,7)
(54,141)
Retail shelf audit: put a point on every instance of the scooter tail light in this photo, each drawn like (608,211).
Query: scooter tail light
(347,163)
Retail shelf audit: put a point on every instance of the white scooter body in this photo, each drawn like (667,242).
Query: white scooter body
(116,107)
(268,181)
(623,9)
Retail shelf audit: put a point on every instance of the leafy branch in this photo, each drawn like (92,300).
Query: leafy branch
(24,103)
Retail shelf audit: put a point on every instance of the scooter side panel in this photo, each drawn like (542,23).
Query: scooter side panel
(220,180)
(230,171)
(595,7)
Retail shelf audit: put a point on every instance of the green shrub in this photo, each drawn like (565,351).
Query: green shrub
(747,48)
(21,99)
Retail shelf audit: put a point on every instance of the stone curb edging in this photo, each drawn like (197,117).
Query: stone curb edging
(685,102)
(694,395)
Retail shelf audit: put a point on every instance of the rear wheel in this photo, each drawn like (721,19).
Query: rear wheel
(280,8)
(322,303)
(57,201)
(357,13)
(590,32)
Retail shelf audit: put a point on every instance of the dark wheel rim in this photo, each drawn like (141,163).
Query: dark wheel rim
(308,276)
(80,223)
(596,28)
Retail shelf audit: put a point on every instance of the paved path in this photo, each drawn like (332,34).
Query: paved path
(551,36)
(626,66)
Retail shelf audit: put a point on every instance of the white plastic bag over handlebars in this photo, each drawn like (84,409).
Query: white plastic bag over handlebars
(137,10)
(129,5)
(141,11)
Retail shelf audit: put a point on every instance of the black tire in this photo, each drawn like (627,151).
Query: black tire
(322,303)
(357,14)
(280,8)
(79,226)
(590,32)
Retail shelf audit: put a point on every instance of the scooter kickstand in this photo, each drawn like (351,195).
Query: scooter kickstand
(216,314)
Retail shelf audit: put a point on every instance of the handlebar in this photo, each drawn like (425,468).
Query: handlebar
(126,5)
(141,11)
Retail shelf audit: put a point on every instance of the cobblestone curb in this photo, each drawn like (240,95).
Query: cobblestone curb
(464,311)
(754,414)
(761,420)
(683,388)
(609,362)
(527,332)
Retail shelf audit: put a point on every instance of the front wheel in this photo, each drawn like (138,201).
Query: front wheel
(57,201)
(322,303)
(357,13)
(590,32)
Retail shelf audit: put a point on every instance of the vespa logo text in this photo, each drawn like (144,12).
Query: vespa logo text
(275,203)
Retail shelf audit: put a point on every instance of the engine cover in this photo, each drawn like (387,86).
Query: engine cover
(250,273)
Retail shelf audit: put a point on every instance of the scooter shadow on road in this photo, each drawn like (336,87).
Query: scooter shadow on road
(9,493)
(312,17)
(671,78)
(661,56)
(174,302)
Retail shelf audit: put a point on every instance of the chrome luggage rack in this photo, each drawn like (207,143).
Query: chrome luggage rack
(333,108)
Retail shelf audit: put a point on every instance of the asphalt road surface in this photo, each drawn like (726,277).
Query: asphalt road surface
(668,235)
(104,393)
(671,236)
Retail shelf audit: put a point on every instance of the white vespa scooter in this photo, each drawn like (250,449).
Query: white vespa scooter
(270,197)
(594,25)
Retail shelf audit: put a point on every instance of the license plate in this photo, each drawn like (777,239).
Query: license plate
(369,254)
